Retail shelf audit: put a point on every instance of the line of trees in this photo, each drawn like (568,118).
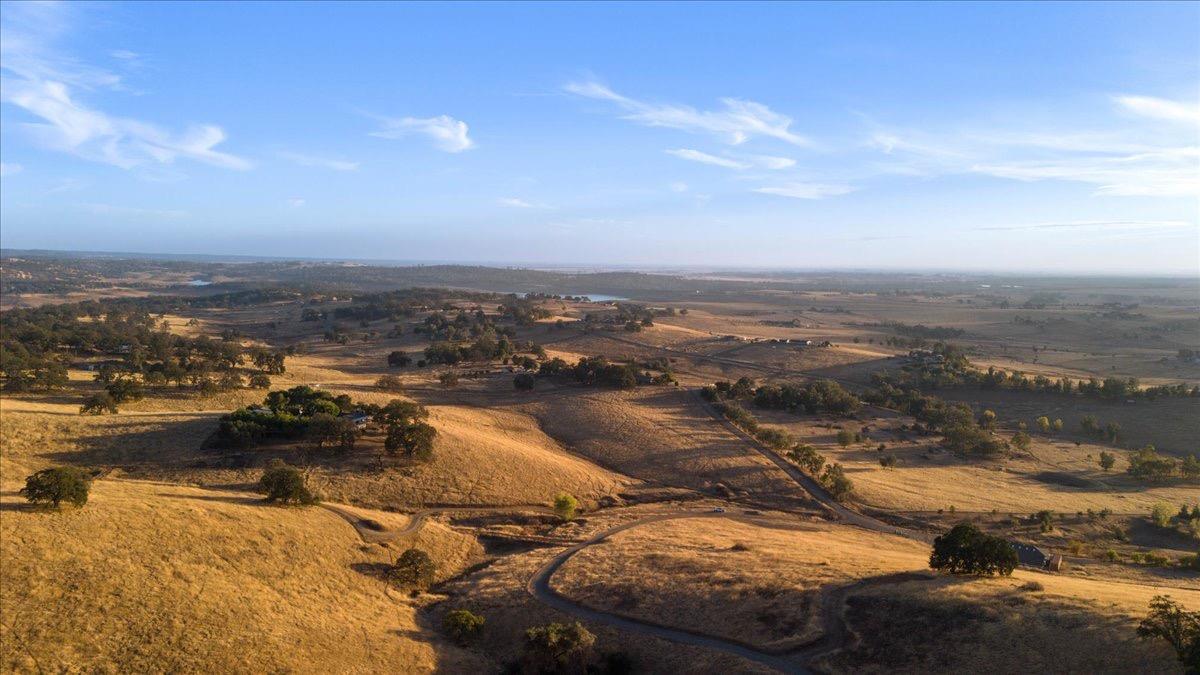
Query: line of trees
(831,475)
(962,431)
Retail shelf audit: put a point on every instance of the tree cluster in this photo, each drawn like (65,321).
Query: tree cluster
(965,549)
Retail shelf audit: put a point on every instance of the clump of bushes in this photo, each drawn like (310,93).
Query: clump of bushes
(558,648)
(965,549)
(565,506)
(462,625)
(414,570)
(54,486)
(285,485)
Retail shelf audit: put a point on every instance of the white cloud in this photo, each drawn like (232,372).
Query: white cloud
(296,202)
(517,203)
(705,158)
(1144,157)
(806,190)
(1166,173)
(1107,225)
(738,122)
(309,160)
(10,169)
(41,81)
(774,163)
(447,133)
(678,186)
(1161,108)
(124,55)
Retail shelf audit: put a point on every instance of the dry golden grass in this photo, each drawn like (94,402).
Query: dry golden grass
(662,435)
(927,478)
(1003,625)
(481,456)
(754,584)
(150,577)
(498,593)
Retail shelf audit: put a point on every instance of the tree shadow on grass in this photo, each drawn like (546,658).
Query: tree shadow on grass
(374,570)
(227,499)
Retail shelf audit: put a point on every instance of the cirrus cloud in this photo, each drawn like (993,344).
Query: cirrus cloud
(737,122)
(447,133)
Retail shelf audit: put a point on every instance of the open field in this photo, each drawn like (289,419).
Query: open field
(686,575)
(151,576)
(754,584)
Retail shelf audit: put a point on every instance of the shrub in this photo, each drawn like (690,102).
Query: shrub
(389,383)
(414,570)
(1189,468)
(835,480)
(1045,520)
(1160,514)
(887,461)
(1021,440)
(967,550)
(285,484)
(98,404)
(1146,464)
(462,624)
(808,458)
(845,437)
(259,381)
(775,438)
(524,382)
(1043,424)
(448,379)
(565,506)
(398,359)
(1107,460)
(56,485)
(558,647)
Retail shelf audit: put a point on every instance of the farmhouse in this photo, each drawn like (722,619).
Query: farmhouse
(359,419)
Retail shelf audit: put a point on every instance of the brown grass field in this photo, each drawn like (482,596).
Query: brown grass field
(152,577)
(175,565)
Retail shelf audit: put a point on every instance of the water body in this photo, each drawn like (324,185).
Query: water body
(600,297)
(199,282)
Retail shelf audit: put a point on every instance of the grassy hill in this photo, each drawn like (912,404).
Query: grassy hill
(154,577)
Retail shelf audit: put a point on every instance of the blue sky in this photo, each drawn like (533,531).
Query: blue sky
(1025,137)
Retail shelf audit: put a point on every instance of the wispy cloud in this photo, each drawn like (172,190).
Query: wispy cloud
(296,202)
(737,122)
(42,81)
(517,203)
(806,190)
(737,163)
(678,186)
(447,133)
(1161,108)
(1157,157)
(10,169)
(705,158)
(774,163)
(322,162)
(1140,225)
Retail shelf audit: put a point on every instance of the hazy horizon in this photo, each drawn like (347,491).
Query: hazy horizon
(1017,138)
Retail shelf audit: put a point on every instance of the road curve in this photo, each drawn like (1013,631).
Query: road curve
(373,535)
(539,587)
